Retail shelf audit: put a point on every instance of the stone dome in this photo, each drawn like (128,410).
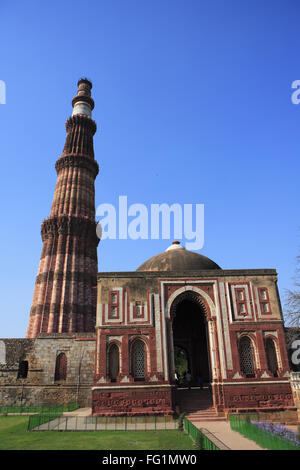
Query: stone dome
(177,258)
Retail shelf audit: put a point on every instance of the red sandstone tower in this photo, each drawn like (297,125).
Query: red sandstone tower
(64,297)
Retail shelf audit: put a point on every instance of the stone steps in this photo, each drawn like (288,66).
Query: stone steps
(197,406)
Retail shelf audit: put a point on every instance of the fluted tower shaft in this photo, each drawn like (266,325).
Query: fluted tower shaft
(64,298)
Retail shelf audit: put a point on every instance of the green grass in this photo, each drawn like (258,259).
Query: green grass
(14,436)
(50,408)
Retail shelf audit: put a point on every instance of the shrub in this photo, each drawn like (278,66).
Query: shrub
(181,421)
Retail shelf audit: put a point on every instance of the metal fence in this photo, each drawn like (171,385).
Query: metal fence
(204,439)
(43,409)
(263,438)
(58,422)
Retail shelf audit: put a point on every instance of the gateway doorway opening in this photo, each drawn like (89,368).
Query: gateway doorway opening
(190,340)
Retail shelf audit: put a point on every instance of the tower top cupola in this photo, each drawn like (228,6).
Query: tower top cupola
(83,103)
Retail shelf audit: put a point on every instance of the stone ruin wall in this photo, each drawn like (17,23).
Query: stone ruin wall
(39,387)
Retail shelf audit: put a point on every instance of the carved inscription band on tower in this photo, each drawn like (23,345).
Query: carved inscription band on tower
(64,298)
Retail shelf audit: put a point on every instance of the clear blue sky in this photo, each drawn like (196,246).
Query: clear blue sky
(193,105)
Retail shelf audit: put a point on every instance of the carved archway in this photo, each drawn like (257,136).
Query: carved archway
(190,296)
(203,298)
(188,315)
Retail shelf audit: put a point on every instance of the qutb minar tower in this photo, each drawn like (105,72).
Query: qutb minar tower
(64,297)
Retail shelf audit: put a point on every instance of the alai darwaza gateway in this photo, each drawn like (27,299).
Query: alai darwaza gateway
(226,325)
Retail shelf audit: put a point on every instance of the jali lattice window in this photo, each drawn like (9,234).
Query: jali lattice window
(138,360)
(246,357)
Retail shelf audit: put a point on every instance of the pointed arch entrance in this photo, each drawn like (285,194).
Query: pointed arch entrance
(189,327)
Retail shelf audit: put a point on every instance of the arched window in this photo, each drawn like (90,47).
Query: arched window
(23,370)
(113,362)
(271,356)
(246,357)
(61,367)
(138,360)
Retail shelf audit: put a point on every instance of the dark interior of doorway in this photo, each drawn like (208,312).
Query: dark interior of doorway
(190,340)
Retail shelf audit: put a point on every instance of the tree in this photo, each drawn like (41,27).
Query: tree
(181,362)
(292,317)
(292,304)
